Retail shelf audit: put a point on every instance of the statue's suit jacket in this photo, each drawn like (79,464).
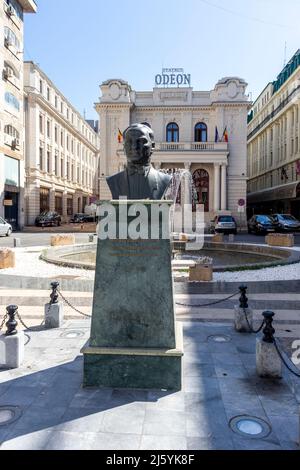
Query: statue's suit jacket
(152,186)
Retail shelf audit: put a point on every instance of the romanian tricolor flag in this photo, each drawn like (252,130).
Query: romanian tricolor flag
(225,135)
(120,136)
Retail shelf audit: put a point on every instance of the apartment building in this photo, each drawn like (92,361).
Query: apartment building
(12,172)
(62,150)
(273,145)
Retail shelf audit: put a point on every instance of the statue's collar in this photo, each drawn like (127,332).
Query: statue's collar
(138,169)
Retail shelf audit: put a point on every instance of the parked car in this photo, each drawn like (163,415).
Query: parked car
(81,218)
(260,224)
(224,224)
(286,222)
(48,219)
(5,228)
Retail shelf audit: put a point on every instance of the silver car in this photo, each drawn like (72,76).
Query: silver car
(5,228)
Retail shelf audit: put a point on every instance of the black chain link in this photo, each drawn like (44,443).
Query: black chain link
(3,321)
(280,354)
(250,327)
(72,307)
(209,304)
(23,324)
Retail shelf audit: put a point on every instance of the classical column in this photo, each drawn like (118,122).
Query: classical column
(224,188)
(217,188)
(188,195)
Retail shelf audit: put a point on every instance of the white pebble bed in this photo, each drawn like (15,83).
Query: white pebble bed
(29,264)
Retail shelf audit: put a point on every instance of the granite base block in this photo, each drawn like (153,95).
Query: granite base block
(132,371)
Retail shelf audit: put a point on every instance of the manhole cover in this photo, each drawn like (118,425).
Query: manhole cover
(249,426)
(72,334)
(219,339)
(9,414)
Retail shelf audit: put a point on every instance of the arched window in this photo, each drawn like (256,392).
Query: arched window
(201,185)
(10,130)
(12,100)
(172,132)
(11,38)
(200,132)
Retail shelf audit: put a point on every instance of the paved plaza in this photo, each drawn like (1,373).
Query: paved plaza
(219,383)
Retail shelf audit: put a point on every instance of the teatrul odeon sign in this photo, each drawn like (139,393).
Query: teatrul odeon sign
(173,77)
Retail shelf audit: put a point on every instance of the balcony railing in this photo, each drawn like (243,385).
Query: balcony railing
(190,146)
(187,147)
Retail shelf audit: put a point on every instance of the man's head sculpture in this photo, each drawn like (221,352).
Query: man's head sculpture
(138,143)
(139,180)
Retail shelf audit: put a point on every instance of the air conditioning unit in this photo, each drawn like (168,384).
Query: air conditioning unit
(15,143)
(7,73)
(10,11)
(7,43)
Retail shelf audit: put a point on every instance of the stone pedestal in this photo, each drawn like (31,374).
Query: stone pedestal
(201,273)
(268,362)
(54,315)
(12,350)
(7,258)
(62,240)
(17,242)
(240,323)
(134,342)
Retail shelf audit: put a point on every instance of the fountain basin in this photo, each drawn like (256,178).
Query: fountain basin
(226,256)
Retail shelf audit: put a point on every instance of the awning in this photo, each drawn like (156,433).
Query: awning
(285,191)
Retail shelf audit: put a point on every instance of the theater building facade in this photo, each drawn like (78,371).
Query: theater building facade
(189,134)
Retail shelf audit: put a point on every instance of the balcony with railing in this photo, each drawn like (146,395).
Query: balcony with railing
(188,147)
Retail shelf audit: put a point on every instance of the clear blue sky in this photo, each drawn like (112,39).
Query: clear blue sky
(79,44)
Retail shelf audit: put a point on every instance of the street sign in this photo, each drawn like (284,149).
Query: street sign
(242,202)
(241,209)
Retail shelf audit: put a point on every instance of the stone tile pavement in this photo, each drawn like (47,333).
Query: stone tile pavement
(219,383)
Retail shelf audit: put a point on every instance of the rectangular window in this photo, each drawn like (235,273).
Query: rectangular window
(72,173)
(48,93)
(48,129)
(62,138)
(61,107)
(44,199)
(67,142)
(56,134)
(56,101)
(48,161)
(41,124)
(62,173)
(41,87)
(70,206)
(56,164)
(11,171)
(41,159)
(68,170)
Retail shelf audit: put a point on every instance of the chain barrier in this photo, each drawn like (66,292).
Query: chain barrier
(280,354)
(72,306)
(24,324)
(209,304)
(250,327)
(3,321)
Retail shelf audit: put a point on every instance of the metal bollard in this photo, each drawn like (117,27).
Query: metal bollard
(12,342)
(268,330)
(243,315)
(243,298)
(54,315)
(54,293)
(12,322)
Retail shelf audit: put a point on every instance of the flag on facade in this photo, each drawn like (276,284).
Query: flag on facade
(120,136)
(225,135)
(216,135)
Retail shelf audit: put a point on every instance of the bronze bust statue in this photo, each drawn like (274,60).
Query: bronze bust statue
(139,180)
